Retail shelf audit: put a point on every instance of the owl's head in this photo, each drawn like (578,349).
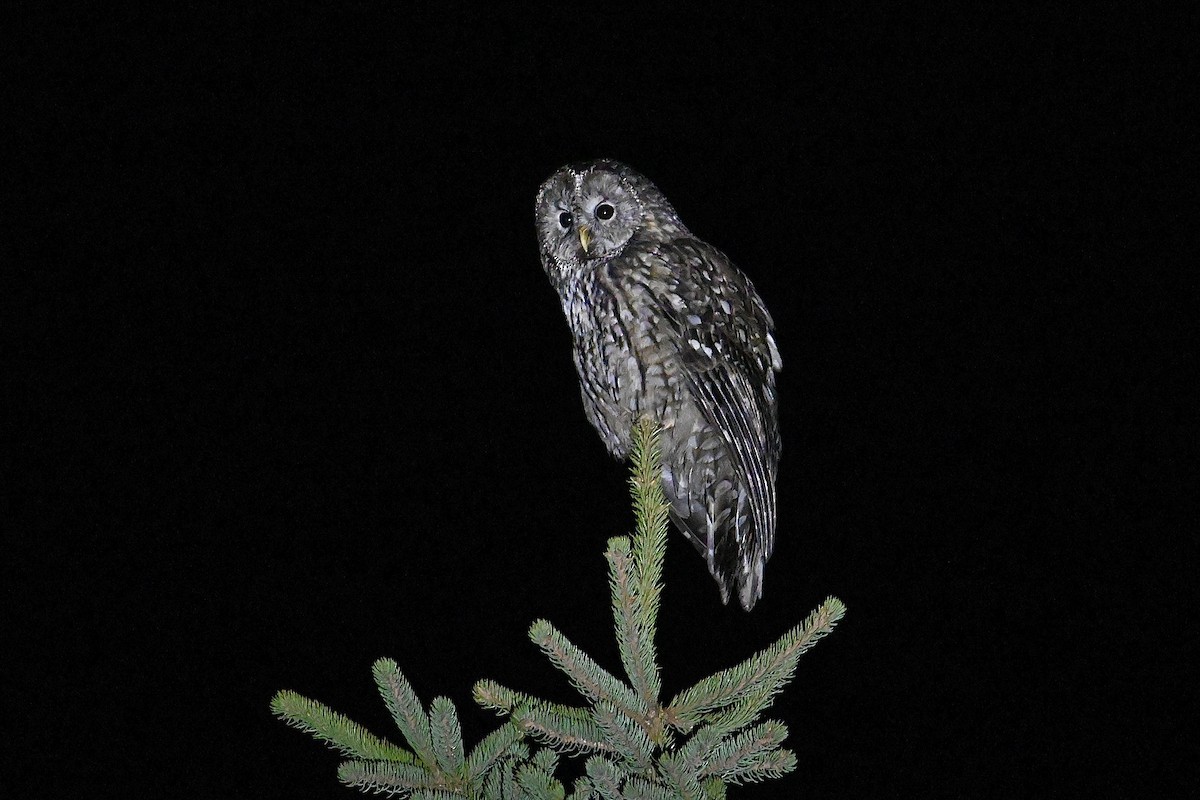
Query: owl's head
(588,213)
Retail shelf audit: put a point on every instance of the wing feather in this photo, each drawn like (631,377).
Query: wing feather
(729,360)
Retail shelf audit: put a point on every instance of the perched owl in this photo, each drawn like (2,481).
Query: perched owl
(664,324)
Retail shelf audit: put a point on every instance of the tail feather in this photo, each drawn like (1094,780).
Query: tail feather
(714,511)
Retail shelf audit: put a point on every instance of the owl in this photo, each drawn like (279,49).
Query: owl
(665,325)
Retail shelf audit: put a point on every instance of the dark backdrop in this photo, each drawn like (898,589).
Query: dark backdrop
(292,393)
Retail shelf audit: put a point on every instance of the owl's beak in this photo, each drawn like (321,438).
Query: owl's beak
(585,237)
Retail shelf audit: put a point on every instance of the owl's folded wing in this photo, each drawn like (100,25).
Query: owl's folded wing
(729,357)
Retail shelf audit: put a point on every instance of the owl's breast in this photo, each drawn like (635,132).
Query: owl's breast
(624,355)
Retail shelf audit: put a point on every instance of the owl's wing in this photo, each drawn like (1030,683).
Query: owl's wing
(729,358)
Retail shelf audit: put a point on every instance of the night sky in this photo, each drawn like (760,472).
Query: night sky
(291,391)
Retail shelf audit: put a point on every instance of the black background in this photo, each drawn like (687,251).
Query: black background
(292,393)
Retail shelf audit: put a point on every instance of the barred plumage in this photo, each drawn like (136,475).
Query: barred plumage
(664,324)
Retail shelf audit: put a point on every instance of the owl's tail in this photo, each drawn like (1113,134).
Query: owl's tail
(716,513)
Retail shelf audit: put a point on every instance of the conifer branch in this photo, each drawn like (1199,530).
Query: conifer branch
(626,610)
(605,778)
(680,777)
(500,783)
(767,671)
(588,677)
(626,737)
(649,546)
(699,748)
(767,765)
(546,759)
(326,725)
(565,728)
(637,788)
(740,713)
(492,695)
(405,708)
(537,784)
(496,745)
(582,790)
(623,727)
(387,776)
(446,735)
(435,794)
(745,750)
(650,540)
(564,733)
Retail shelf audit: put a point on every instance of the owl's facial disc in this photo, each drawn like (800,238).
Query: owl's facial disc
(587,216)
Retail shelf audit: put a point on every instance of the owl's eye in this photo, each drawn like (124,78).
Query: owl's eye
(604,211)
(564,219)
